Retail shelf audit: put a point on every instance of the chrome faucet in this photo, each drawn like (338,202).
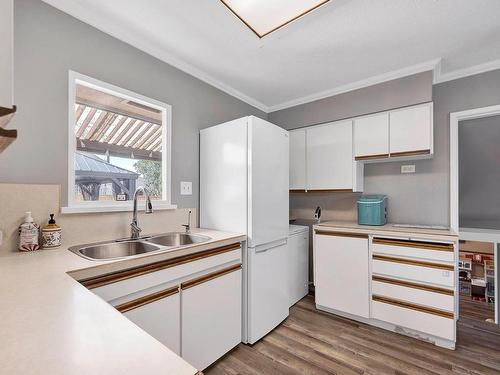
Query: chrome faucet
(188,225)
(317,214)
(135,230)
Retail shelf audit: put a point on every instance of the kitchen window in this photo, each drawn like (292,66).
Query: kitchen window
(118,141)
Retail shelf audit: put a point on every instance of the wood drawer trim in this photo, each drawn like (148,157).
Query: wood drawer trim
(320,190)
(127,306)
(371,157)
(408,284)
(110,278)
(210,276)
(410,153)
(329,190)
(414,244)
(413,306)
(414,262)
(340,234)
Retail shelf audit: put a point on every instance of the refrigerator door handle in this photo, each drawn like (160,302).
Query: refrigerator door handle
(270,245)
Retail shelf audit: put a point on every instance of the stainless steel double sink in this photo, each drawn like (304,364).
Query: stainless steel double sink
(128,248)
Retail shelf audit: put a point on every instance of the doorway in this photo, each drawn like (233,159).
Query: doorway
(475,211)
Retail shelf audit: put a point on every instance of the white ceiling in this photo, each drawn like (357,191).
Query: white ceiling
(344,44)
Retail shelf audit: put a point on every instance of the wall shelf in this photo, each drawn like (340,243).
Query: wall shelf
(7,136)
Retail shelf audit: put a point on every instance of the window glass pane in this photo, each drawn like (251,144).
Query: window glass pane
(118,147)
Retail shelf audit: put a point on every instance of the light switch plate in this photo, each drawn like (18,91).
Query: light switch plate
(186,188)
(408,168)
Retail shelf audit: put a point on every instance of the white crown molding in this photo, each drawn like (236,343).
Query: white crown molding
(465,72)
(389,76)
(94,19)
(80,12)
(434,65)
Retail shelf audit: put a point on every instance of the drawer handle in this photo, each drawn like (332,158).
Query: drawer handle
(420,263)
(371,157)
(127,306)
(110,278)
(408,284)
(210,276)
(413,306)
(415,244)
(410,153)
(340,234)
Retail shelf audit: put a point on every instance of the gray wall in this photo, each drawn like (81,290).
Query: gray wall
(388,95)
(47,44)
(379,178)
(479,161)
(422,197)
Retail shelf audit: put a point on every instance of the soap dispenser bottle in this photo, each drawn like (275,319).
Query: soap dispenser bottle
(29,233)
(51,234)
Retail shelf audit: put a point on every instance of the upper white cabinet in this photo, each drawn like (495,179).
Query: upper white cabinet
(371,137)
(329,156)
(298,159)
(411,131)
(6,57)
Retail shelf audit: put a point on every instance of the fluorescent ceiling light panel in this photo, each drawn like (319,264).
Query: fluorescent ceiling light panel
(265,16)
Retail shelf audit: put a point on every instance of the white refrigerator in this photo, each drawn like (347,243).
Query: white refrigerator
(244,188)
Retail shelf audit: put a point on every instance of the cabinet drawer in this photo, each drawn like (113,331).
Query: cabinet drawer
(113,286)
(413,317)
(420,271)
(414,249)
(421,294)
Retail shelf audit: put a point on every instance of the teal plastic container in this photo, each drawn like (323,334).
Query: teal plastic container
(372,209)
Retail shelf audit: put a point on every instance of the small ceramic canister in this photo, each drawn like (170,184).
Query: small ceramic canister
(51,234)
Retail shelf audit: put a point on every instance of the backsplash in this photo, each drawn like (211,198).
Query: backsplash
(42,200)
(334,206)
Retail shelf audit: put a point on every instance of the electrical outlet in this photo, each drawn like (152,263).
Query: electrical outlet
(408,168)
(186,188)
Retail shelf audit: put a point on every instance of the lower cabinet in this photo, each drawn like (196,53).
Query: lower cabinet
(401,283)
(211,316)
(192,304)
(341,272)
(200,319)
(159,315)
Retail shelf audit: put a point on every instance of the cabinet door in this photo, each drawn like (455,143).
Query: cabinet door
(298,159)
(6,56)
(342,273)
(411,130)
(371,137)
(211,316)
(330,156)
(159,315)
(298,266)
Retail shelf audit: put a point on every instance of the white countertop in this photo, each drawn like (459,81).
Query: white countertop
(50,324)
(387,229)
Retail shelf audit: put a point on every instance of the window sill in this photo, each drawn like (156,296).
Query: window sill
(125,207)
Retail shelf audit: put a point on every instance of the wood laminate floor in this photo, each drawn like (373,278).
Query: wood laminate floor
(476,310)
(313,342)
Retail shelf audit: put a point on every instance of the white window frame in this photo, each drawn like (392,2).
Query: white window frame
(166,111)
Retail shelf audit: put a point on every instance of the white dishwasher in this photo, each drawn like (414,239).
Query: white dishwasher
(298,262)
